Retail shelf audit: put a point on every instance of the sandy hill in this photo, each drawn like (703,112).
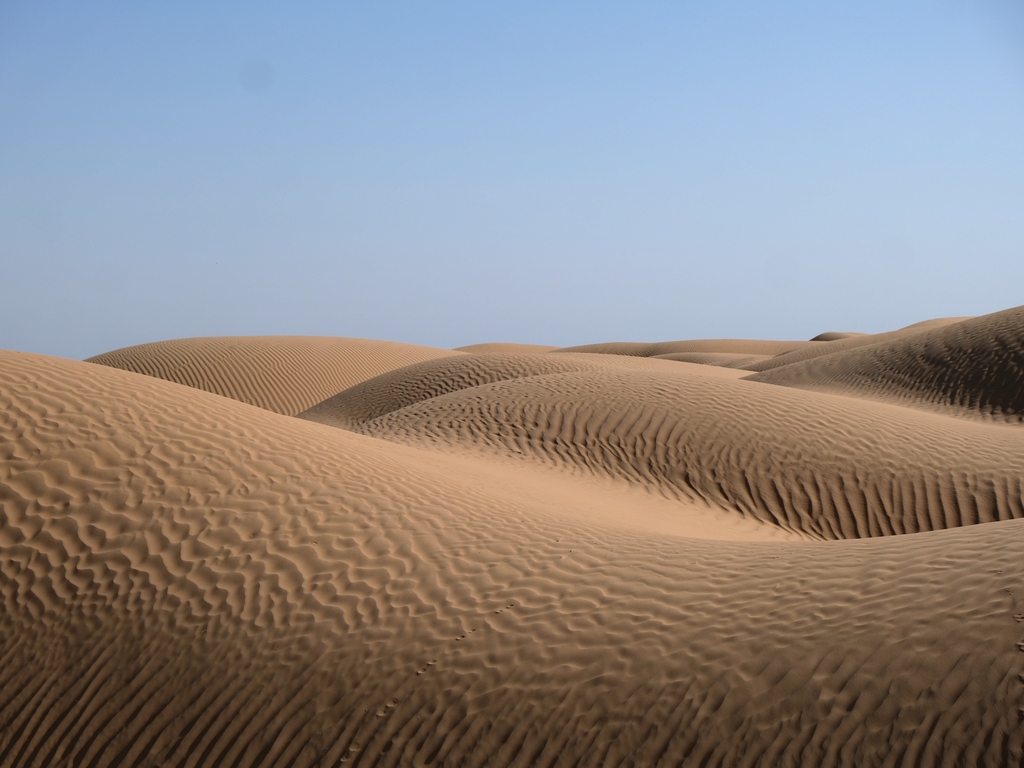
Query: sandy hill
(813,464)
(843,342)
(973,367)
(284,374)
(514,559)
(403,387)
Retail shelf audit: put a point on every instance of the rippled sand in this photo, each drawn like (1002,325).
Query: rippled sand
(321,552)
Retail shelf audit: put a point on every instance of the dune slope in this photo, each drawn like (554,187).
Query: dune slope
(284,374)
(406,386)
(971,368)
(810,463)
(844,342)
(725,359)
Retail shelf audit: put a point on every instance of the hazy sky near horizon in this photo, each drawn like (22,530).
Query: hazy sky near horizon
(453,173)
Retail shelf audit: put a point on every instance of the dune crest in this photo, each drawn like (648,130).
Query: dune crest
(811,464)
(397,389)
(284,374)
(656,349)
(972,368)
(846,342)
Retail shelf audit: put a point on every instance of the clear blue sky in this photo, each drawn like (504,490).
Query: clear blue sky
(451,173)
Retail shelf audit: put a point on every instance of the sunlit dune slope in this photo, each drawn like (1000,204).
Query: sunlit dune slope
(405,386)
(811,463)
(973,367)
(724,359)
(284,374)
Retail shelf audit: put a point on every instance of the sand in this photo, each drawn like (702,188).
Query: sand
(284,374)
(972,368)
(324,552)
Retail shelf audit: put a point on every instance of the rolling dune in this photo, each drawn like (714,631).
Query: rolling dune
(415,383)
(809,463)
(973,368)
(843,342)
(513,557)
(284,374)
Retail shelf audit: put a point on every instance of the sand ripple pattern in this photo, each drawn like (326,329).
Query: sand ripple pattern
(415,383)
(186,580)
(972,368)
(725,359)
(844,342)
(284,374)
(809,463)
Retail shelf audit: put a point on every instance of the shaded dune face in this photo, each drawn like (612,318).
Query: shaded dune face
(847,342)
(971,368)
(468,574)
(284,374)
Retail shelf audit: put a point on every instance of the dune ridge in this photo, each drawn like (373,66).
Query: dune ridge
(810,463)
(406,386)
(724,359)
(842,342)
(284,374)
(973,368)
(656,349)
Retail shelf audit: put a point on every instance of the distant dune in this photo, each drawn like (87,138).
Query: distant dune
(698,553)
(715,346)
(284,374)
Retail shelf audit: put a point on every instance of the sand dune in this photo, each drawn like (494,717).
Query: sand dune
(284,374)
(813,464)
(973,367)
(513,559)
(406,386)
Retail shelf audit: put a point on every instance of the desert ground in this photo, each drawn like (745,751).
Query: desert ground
(317,551)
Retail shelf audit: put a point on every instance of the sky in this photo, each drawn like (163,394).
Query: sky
(453,173)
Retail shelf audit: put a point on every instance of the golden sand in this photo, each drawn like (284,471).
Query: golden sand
(321,552)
